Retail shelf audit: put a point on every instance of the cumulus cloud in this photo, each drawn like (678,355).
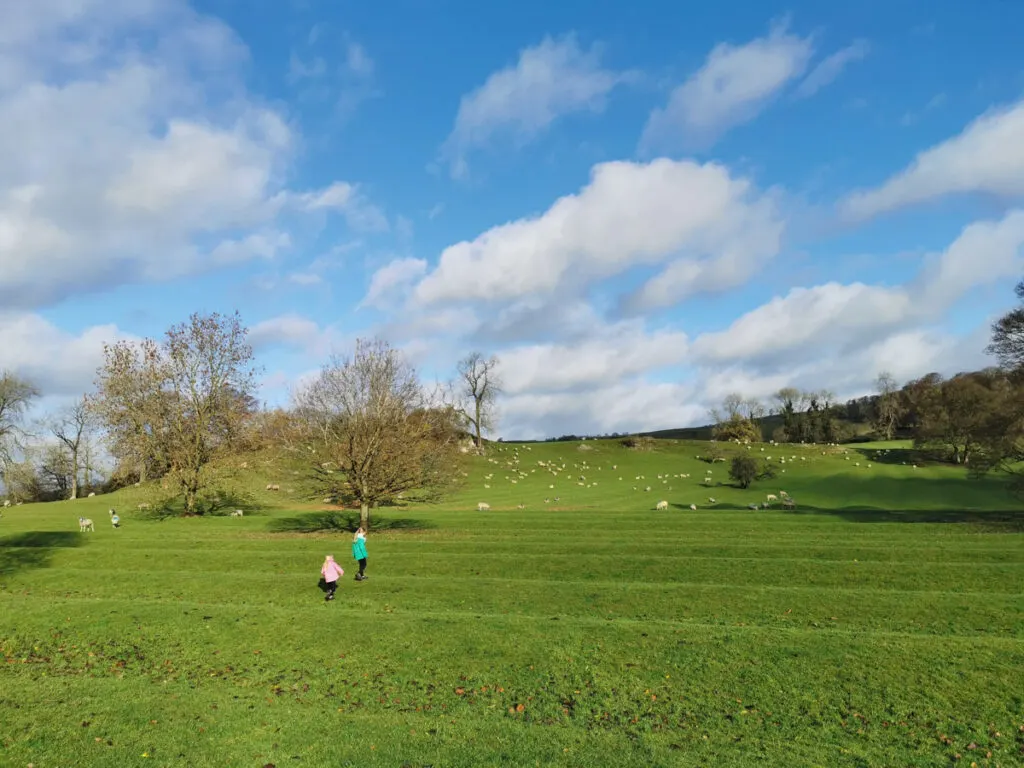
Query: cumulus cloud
(155,175)
(550,80)
(735,83)
(57,362)
(838,318)
(295,332)
(987,156)
(629,214)
(391,278)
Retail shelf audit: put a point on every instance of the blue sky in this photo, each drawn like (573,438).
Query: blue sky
(638,209)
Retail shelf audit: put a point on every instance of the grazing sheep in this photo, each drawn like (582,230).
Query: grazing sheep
(483,507)
(7,502)
(693,507)
(273,487)
(85,524)
(771,497)
(661,505)
(711,501)
(783,495)
(93,493)
(788,503)
(237,513)
(114,519)
(753,506)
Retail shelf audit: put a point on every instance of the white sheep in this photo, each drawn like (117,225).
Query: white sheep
(661,505)
(711,501)
(237,513)
(783,494)
(771,497)
(788,503)
(693,507)
(483,507)
(85,524)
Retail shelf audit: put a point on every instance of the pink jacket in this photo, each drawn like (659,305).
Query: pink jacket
(331,571)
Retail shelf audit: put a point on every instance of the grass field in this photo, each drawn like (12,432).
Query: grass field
(881,623)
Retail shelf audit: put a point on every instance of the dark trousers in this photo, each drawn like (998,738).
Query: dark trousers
(362,565)
(332,586)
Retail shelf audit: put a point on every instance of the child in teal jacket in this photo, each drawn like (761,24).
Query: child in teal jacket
(359,552)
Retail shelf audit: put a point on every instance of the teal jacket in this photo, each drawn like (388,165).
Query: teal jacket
(359,549)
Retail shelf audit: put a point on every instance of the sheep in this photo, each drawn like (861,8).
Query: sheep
(711,500)
(647,488)
(483,507)
(273,487)
(783,495)
(788,503)
(114,519)
(661,505)
(7,502)
(237,513)
(693,507)
(753,506)
(771,497)
(85,524)
(91,494)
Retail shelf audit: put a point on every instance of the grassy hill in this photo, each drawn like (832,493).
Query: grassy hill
(879,623)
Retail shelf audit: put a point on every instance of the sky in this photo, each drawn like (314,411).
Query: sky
(638,208)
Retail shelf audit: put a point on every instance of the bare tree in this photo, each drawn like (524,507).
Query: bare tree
(478,387)
(16,396)
(889,408)
(71,428)
(373,433)
(182,402)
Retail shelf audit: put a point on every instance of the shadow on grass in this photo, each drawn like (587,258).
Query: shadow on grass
(33,549)
(1008,521)
(218,505)
(343,522)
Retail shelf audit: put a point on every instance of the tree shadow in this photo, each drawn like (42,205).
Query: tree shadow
(343,522)
(892,456)
(33,549)
(219,504)
(997,521)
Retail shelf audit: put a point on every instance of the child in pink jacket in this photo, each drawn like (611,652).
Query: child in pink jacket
(331,572)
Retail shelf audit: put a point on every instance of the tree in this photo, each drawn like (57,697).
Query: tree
(131,403)
(736,419)
(744,470)
(888,408)
(71,428)
(56,471)
(477,388)
(373,433)
(1008,336)
(180,404)
(16,396)
(955,415)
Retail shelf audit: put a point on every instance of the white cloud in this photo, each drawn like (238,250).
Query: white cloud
(57,362)
(392,277)
(156,170)
(550,80)
(296,332)
(628,214)
(834,317)
(733,86)
(988,156)
(341,196)
(831,67)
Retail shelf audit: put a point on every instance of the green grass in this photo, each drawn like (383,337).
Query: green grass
(879,623)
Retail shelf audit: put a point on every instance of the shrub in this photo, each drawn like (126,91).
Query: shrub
(744,470)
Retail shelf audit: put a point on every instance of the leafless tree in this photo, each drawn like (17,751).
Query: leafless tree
(71,427)
(16,396)
(889,408)
(477,388)
(373,433)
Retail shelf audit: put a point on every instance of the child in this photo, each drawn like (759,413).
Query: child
(331,572)
(359,552)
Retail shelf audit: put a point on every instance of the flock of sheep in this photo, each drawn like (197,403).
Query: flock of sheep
(515,472)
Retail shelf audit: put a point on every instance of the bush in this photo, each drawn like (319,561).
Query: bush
(744,470)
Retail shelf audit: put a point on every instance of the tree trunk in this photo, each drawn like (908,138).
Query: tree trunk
(364,515)
(479,433)
(142,471)
(74,474)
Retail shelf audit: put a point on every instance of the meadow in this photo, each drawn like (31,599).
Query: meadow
(879,623)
